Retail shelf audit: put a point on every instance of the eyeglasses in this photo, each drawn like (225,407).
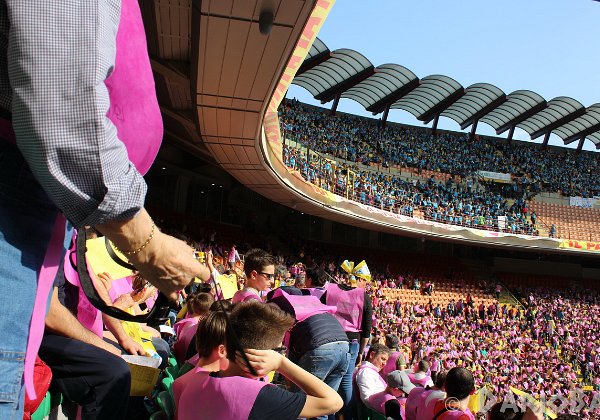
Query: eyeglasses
(268,275)
(280,350)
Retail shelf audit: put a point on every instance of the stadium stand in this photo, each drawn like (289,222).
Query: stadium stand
(360,161)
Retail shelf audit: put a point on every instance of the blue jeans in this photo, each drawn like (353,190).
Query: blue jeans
(328,362)
(26,220)
(345,389)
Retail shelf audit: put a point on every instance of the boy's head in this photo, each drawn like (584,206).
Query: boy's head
(257,326)
(211,335)
(199,304)
(259,267)
(459,383)
(423,366)
(315,277)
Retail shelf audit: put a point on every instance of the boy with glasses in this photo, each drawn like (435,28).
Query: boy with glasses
(259,267)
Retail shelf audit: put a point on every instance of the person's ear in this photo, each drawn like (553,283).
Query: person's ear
(222,350)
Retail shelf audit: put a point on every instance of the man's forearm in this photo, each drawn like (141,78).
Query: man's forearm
(60,320)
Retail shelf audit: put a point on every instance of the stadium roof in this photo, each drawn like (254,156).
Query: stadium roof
(348,74)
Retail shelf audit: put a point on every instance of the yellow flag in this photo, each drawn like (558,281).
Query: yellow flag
(347,266)
(361,270)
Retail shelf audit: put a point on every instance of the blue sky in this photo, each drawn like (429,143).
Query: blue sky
(549,46)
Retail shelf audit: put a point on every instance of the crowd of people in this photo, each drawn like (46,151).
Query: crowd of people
(360,139)
(465,202)
(77,134)
(335,345)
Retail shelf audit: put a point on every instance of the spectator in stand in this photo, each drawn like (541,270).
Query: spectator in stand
(367,377)
(317,342)
(62,153)
(392,400)
(259,268)
(235,393)
(233,257)
(85,369)
(460,385)
(355,314)
(397,359)
(421,377)
(212,354)
(421,401)
(198,308)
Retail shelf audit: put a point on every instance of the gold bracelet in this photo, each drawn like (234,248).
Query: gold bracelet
(144,245)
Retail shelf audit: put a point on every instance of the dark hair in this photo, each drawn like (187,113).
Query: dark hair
(498,413)
(459,383)
(258,326)
(317,277)
(391,340)
(256,260)
(211,333)
(203,288)
(216,306)
(423,366)
(378,348)
(440,379)
(199,303)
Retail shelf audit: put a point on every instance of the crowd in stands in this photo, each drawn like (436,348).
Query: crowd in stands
(466,202)
(356,347)
(360,139)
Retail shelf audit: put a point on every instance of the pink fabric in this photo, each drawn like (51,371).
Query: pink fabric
(377,401)
(180,385)
(304,306)
(350,306)
(390,366)
(421,380)
(186,331)
(120,287)
(45,282)
(317,292)
(414,402)
(244,295)
(209,398)
(134,107)
(87,314)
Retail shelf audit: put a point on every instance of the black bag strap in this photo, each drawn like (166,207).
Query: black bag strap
(439,413)
(159,313)
(115,257)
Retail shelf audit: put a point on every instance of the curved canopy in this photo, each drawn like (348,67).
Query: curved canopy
(479,99)
(431,93)
(388,79)
(560,111)
(325,79)
(348,74)
(585,126)
(519,106)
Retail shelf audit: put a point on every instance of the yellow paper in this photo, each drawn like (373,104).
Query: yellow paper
(143,380)
(100,262)
(228,285)
(532,401)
